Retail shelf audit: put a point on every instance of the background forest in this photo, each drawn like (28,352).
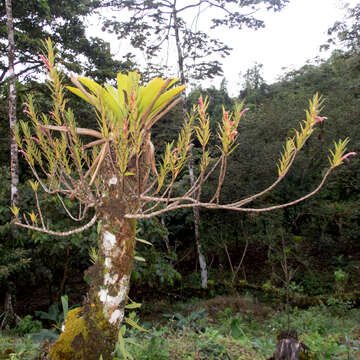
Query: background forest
(308,253)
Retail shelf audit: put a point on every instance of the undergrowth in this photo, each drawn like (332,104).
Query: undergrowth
(224,328)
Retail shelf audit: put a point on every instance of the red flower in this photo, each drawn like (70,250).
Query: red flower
(43,58)
(132,100)
(226,117)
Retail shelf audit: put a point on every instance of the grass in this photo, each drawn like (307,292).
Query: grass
(224,328)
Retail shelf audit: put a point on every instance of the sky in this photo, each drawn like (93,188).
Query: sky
(290,38)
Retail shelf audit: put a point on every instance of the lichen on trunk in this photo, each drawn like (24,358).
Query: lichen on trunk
(92,330)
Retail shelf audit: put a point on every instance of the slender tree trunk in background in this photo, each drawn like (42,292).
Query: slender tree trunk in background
(166,236)
(14,163)
(14,167)
(202,260)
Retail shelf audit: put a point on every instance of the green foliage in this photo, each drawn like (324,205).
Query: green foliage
(232,335)
(341,278)
(54,315)
(18,349)
(195,320)
(44,335)
(156,271)
(27,326)
(64,21)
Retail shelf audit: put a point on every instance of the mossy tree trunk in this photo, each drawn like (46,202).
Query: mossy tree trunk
(92,331)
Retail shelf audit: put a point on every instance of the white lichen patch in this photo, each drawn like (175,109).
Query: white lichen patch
(108,262)
(109,241)
(110,280)
(108,300)
(113,180)
(116,316)
(112,302)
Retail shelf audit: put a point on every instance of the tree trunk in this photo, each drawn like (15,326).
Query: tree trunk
(12,107)
(202,260)
(14,162)
(92,330)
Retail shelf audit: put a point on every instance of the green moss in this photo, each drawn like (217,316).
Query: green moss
(75,331)
(87,335)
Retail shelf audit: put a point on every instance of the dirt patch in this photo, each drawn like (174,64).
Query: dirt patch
(237,304)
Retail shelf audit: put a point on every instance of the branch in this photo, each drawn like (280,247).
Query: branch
(80,218)
(226,206)
(56,233)
(277,181)
(80,131)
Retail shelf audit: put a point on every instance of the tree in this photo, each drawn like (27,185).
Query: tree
(254,85)
(346,32)
(64,22)
(12,107)
(14,161)
(151,26)
(116,178)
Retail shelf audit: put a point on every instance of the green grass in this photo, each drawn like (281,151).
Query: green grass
(247,333)
(225,328)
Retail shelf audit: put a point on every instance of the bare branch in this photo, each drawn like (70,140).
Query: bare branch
(225,206)
(56,233)
(81,216)
(272,186)
(80,131)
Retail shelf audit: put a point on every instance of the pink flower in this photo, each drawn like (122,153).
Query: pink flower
(26,110)
(42,129)
(43,58)
(201,107)
(319,119)
(125,126)
(23,153)
(35,139)
(345,157)
(232,135)
(244,111)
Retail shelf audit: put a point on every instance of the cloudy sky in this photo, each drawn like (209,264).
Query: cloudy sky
(290,38)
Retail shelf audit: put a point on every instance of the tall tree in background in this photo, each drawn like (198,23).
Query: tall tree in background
(64,22)
(14,167)
(346,32)
(14,161)
(153,25)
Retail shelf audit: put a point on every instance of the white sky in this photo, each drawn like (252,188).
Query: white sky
(290,38)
